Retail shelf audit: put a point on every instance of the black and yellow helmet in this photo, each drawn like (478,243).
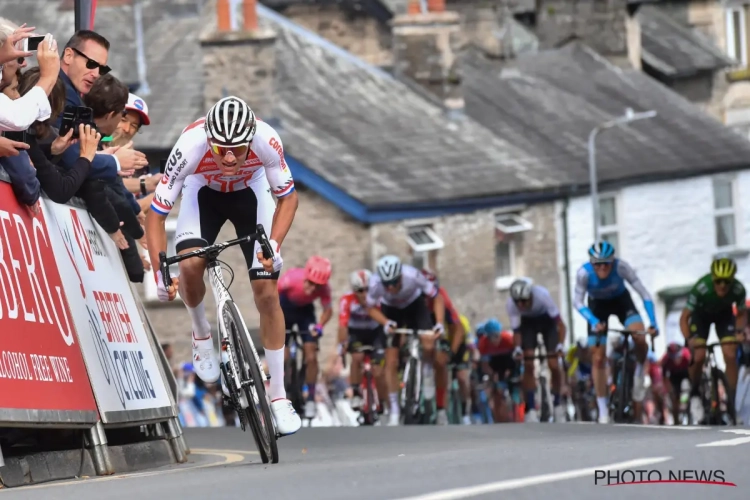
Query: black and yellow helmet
(723,268)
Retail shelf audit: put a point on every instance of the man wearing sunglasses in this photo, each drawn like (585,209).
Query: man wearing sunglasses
(603,279)
(402,290)
(228,166)
(532,310)
(711,302)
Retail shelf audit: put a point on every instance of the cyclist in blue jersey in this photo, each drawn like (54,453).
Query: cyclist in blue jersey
(603,279)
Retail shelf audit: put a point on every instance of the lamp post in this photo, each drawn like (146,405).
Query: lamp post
(628,117)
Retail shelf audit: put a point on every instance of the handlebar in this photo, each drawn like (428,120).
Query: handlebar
(542,356)
(213,251)
(412,331)
(717,344)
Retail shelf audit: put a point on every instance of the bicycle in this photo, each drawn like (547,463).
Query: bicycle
(710,378)
(455,402)
(545,407)
(621,398)
(412,397)
(369,413)
(243,373)
(480,392)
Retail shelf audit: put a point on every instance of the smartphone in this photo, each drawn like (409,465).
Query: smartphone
(31,44)
(16,136)
(163,165)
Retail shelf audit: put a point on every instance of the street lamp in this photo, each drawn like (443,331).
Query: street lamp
(628,117)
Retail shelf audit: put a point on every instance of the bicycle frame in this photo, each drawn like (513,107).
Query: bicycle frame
(414,349)
(623,380)
(714,373)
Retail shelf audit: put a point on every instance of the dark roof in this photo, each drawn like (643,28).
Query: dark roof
(115,23)
(550,101)
(675,50)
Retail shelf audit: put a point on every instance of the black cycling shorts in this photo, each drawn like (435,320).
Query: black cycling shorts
(724,322)
(362,337)
(415,315)
(532,326)
(621,306)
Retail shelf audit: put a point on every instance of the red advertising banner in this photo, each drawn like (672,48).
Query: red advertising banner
(41,365)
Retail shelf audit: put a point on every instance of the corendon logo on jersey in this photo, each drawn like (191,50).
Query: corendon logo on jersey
(82,240)
(277,147)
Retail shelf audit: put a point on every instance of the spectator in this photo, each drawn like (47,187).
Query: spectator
(59,185)
(20,114)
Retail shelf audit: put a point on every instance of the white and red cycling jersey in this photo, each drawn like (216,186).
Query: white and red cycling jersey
(191,163)
(354,315)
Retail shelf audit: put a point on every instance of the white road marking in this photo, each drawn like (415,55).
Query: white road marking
(671,427)
(729,442)
(513,484)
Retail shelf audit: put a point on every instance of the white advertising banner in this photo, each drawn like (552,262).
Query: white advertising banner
(124,372)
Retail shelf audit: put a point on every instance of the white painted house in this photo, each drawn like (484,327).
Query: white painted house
(669,232)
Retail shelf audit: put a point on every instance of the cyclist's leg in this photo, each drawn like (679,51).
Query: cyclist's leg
(392,350)
(631,319)
(198,223)
(357,338)
(725,330)
(602,309)
(528,331)
(699,330)
(548,327)
(433,352)
(306,318)
(461,361)
(377,341)
(255,205)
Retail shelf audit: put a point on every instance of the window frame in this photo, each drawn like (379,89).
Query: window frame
(732,210)
(436,244)
(729,13)
(612,228)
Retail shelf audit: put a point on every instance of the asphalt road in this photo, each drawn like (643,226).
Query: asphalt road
(435,463)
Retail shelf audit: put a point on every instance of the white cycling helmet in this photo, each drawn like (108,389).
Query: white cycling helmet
(360,280)
(520,290)
(231,122)
(389,268)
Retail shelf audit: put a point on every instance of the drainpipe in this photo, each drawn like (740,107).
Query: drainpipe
(143,88)
(566,267)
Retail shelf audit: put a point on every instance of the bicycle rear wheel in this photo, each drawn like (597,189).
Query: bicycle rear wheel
(544,406)
(721,416)
(411,408)
(258,412)
(369,404)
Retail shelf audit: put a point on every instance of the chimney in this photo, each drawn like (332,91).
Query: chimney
(239,62)
(426,41)
(606,26)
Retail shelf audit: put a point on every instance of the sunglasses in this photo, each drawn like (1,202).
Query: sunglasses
(721,282)
(361,290)
(602,264)
(522,302)
(91,64)
(391,283)
(236,151)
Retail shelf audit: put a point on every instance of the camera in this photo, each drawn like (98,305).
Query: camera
(73,116)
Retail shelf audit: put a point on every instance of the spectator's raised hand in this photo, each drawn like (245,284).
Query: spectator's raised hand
(62,142)
(130,159)
(89,139)
(49,63)
(9,51)
(10,148)
(119,239)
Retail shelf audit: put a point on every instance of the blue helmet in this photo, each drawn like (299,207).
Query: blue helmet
(493,327)
(602,251)
(480,330)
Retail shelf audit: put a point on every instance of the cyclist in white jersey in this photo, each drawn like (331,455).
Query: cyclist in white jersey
(532,311)
(228,166)
(401,290)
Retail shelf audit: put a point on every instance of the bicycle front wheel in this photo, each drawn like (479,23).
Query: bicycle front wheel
(258,412)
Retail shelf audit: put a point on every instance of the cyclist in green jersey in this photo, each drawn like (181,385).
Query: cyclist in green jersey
(710,302)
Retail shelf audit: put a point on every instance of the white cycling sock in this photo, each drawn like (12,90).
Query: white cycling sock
(394,402)
(602,403)
(638,370)
(275,362)
(201,326)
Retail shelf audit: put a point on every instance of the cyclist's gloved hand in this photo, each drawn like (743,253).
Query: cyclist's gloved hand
(390,326)
(277,261)
(438,329)
(560,348)
(517,353)
(316,330)
(653,331)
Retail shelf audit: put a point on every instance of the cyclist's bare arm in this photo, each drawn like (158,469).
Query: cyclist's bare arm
(326,316)
(282,185)
(343,333)
(182,162)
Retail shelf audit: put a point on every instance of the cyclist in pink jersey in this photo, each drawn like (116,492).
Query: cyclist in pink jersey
(298,290)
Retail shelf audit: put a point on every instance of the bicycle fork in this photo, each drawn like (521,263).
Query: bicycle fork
(414,358)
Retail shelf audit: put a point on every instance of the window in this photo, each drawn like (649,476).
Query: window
(149,283)
(737,34)
(608,230)
(724,212)
(507,226)
(423,242)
